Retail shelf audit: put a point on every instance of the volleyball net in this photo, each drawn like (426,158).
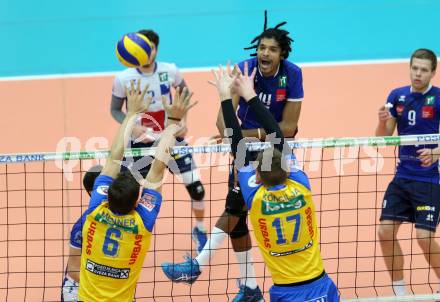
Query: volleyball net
(41,197)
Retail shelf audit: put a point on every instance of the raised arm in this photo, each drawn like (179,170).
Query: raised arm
(223,81)
(135,105)
(244,86)
(386,124)
(235,100)
(220,119)
(175,112)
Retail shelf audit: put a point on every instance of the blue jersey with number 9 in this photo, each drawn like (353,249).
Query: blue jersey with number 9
(283,218)
(416,113)
(114,246)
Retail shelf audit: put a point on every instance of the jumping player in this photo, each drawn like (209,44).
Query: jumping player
(278,83)
(161,77)
(118,225)
(279,200)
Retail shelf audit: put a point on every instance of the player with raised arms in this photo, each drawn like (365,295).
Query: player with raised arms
(279,199)
(118,225)
(278,83)
(160,77)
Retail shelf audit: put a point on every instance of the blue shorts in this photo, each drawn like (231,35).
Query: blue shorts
(184,163)
(321,290)
(412,201)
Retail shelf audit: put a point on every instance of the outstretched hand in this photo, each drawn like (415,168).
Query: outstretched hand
(180,105)
(223,80)
(243,84)
(135,98)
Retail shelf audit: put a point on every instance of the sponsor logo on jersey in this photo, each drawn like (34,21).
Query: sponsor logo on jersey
(102,190)
(280,204)
(281,94)
(401,98)
(136,249)
(305,247)
(163,76)
(399,109)
(309,220)
(282,81)
(429,101)
(425,208)
(149,201)
(107,271)
(428,112)
(264,232)
(90,234)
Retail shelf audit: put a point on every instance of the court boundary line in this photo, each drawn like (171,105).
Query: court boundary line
(196,69)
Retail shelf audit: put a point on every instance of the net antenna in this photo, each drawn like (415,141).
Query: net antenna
(255,41)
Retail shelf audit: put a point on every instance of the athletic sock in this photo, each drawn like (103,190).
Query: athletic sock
(247,272)
(214,241)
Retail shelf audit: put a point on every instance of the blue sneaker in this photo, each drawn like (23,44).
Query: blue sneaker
(185,272)
(247,294)
(199,237)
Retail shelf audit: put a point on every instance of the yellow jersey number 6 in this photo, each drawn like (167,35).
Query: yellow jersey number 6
(111,246)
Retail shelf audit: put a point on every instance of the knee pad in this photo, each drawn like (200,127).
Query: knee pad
(234,202)
(241,229)
(196,191)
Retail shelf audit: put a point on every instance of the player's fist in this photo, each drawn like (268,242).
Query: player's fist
(384,114)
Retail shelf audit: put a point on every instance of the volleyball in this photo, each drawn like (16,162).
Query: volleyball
(134,50)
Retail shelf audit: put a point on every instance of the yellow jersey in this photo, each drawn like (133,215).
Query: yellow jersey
(284,223)
(114,246)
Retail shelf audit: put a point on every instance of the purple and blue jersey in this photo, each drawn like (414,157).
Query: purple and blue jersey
(416,113)
(274,91)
